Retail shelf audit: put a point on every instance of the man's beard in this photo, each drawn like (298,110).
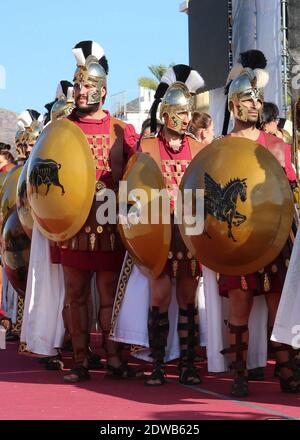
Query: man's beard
(253,120)
(88,108)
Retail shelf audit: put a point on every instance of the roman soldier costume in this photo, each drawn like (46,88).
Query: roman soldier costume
(95,152)
(174,94)
(247,228)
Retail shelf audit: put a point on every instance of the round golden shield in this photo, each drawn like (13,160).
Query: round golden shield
(2,178)
(248,206)
(61,180)
(15,252)
(23,207)
(9,192)
(145,232)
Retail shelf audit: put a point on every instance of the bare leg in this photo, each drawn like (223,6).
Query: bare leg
(107,285)
(75,315)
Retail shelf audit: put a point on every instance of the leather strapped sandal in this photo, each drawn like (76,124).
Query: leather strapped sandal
(158,330)
(284,360)
(189,375)
(290,384)
(188,338)
(77,374)
(123,372)
(54,363)
(8,325)
(256,374)
(158,377)
(239,386)
(94,361)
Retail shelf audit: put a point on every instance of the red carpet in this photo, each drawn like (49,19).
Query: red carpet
(32,393)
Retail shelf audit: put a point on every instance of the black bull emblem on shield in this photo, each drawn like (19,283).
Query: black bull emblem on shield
(220,202)
(45,171)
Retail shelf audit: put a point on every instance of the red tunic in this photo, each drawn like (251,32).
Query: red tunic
(97,132)
(6,168)
(173,165)
(271,278)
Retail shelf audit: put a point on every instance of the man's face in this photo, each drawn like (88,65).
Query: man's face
(246,109)
(184,116)
(253,107)
(29,148)
(177,122)
(81,97)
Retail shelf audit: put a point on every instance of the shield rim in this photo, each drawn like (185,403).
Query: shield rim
(5,187)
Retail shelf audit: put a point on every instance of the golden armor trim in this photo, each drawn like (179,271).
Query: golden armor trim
(193,267)
(244,284)
(267,285)
(174,268)
(92,241)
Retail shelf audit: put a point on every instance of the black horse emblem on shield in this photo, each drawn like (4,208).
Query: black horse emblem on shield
(45,171)
(220,202)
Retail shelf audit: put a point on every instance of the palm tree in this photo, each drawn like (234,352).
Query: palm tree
(157,71)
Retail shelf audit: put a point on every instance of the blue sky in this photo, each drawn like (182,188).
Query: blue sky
(36,40)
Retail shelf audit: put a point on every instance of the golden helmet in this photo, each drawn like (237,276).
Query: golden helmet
(176,100)
(64,102)
(29,127)
(178,84)
(249,85)
(92,69)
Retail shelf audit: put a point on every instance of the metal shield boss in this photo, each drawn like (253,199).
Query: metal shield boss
(61,180)
(146,237)
(15,252)
(248,206)
(23,207)
(8,193)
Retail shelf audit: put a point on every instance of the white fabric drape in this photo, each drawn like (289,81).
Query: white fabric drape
(131,324)
(42,327)
(217,311)
(287,323)
(2,338)
(9,298)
